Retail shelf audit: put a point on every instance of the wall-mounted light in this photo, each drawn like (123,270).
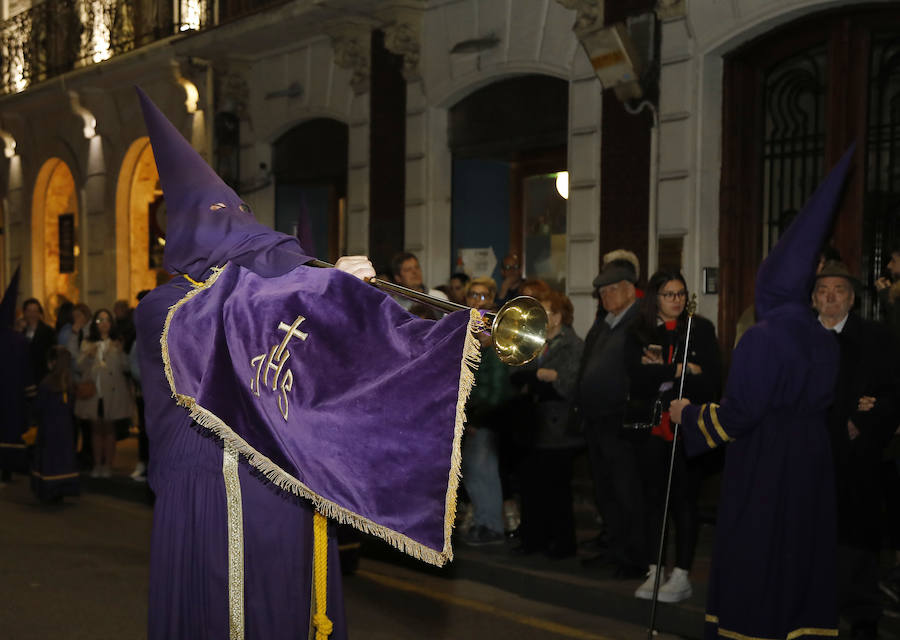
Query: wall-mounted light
(192,95)
(562,184)
(615,60)
(90,122)
(9,144)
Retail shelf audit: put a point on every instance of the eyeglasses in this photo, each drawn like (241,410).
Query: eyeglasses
(672,295)
(507,267)
(477,295)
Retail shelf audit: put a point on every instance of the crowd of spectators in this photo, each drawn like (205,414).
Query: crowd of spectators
(608,397)
(83,390)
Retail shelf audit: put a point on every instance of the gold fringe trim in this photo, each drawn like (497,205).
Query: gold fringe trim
(469,362)
(793,635)
(9,445)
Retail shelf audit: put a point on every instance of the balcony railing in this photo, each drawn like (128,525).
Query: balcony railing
(56,36)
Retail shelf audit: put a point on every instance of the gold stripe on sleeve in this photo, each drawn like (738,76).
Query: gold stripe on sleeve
(713,413)
(702,425)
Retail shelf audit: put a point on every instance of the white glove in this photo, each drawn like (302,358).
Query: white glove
(359,266)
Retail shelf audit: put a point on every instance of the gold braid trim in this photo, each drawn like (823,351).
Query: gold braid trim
(61,476)
(713,413)
(320,620)
(702,425)
(469,361)
(793,635)
(235,516)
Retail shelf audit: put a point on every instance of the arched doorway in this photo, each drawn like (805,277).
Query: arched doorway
(310,170)
(55,224)
(140,223)
(793,101)
(508,141)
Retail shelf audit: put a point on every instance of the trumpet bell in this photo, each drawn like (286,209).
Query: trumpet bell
(519,331)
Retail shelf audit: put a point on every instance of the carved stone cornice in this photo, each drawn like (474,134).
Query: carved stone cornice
(352,44)
(589,14)
(403,36)
(671,9)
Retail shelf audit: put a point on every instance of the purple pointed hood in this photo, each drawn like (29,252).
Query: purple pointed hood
(786,275)
(8,304)
(207,222)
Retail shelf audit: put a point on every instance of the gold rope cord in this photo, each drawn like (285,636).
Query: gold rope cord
(321,622)
(235,543)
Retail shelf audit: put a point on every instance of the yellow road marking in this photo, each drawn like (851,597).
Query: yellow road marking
(531,621)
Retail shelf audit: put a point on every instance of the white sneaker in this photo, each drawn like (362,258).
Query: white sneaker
(645,591)
(140,470)
(676,588)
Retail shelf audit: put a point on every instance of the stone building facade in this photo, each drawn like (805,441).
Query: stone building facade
(380,87)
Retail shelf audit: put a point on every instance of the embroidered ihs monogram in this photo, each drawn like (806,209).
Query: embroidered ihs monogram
(283,380)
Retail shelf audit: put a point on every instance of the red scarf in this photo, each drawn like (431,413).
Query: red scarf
(664,428)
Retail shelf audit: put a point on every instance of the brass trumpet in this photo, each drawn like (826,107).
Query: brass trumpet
(519,328)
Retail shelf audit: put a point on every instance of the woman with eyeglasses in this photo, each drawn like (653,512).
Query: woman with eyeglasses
(104,394)
(654,352)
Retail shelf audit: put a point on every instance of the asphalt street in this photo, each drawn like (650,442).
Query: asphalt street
(79,571)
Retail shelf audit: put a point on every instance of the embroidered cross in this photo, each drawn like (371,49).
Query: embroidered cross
(274,360)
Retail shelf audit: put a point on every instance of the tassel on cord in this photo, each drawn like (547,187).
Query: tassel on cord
(320,575)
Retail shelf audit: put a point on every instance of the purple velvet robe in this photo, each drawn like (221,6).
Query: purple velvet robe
(371,437)
(773,573)
(773,569)
(15,377)
(54,470)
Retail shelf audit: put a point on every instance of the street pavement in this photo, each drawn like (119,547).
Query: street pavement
(78,571)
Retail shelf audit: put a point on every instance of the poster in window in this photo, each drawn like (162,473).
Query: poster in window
(67,243)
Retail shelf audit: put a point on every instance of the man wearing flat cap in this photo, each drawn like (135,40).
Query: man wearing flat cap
(860,422)
(601,393)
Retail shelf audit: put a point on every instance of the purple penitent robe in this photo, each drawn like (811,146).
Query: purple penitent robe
(328,395)
(773,570)
(272,389)
(15,377)
(54,470)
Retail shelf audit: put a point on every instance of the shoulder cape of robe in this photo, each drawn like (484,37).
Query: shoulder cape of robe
(333,392)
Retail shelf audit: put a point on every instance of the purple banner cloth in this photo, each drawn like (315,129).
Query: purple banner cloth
(334,392)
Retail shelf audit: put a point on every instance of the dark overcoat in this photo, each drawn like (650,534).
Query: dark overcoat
(868,368)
